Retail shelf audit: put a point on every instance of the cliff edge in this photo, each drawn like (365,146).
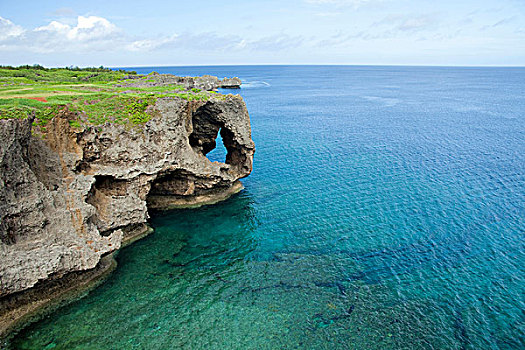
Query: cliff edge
(72,192)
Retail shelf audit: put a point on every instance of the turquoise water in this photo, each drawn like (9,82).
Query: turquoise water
(386,210)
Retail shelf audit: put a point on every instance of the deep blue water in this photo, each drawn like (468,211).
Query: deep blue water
(386,210)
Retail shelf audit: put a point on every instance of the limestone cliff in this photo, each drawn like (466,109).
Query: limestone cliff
(205,82)
(71,195)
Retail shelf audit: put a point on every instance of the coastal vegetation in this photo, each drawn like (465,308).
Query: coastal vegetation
(95,95)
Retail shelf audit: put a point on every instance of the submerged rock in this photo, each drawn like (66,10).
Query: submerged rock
(76,193)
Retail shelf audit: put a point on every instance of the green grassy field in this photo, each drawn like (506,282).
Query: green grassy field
(95,95)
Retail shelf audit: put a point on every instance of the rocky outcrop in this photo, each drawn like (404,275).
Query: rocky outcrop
(205,82)
(72,195)
(230,83)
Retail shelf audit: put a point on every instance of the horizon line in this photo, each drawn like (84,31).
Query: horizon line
(280,64)
(320,64)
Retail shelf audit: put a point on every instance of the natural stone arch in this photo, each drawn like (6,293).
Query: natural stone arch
(210,119)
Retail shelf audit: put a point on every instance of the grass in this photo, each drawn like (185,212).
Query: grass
(94,96)
(121,109)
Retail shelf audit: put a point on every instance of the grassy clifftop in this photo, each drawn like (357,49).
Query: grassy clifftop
(95,95)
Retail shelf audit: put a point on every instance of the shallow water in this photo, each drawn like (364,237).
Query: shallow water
(386,210)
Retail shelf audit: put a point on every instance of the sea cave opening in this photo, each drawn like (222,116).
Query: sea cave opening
(211,137)
(218,154)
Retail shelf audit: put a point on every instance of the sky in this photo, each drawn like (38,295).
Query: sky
(116,33)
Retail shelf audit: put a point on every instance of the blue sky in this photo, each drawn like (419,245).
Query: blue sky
(135,33)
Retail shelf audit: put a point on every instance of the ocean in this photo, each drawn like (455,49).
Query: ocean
(386,210)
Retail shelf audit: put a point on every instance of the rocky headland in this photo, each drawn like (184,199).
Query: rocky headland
(74,191)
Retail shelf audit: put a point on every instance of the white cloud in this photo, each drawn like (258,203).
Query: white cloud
(410,22)
(90,34)
(213,42)
(207,41)
(390,27)
(417,23)
(275,43)
(499,23)
(151,44)
(86,29)
(92,27)
(54,27)
(9,30)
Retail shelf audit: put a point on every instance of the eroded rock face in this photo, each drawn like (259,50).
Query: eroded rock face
(230,83)
(205,82)
(46,225)
(72,196)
